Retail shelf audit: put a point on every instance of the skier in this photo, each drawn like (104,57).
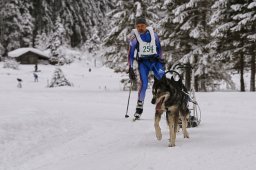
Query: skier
(36,68)
(19,82)
(35,77)
(145,42)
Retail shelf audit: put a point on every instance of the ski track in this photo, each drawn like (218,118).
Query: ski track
(85,129)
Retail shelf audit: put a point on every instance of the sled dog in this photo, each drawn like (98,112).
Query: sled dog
(168,97)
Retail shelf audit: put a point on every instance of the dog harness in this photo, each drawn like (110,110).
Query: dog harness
(146,48)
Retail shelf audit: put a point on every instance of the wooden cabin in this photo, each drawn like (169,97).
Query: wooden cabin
(29,56)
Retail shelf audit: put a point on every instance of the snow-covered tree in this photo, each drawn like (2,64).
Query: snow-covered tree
(185,33)
(23,20)
(42,41)
(27,27)
(245,24)
(11,63)
(1,51)
(59,79)
(17,24)
(233,30)
(12,30)
(56,41)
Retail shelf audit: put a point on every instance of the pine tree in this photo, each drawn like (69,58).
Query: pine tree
(167,26)
(244,18)
(25,20)
(11,31)
(234,33)
(42,41)
(239,15)
(224,40)
(122,22)
(185,33)
(251,38)
(27,26)
(59,79)
(56,41)
(1,51)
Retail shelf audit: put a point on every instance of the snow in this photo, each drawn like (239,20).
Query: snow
(83,127)
(252,5)
(236,7)
(20,51)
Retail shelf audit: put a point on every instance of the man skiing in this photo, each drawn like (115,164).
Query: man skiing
(146,49)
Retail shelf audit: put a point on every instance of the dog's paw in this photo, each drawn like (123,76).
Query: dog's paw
(171,145)
(185,134)
(158,134)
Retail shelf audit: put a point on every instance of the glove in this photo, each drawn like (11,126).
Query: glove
(132,75)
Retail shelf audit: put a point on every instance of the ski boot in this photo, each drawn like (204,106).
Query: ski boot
(139,110)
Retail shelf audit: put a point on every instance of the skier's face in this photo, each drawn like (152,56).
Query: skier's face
(141,28)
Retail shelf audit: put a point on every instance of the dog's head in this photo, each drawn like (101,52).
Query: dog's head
(168,92)
(161,93)
(160,87)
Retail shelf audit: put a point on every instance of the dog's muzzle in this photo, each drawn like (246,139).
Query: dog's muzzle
(153,101)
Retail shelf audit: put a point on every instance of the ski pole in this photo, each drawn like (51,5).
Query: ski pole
(126,115)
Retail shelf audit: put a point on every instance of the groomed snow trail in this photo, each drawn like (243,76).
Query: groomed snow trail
(83,127)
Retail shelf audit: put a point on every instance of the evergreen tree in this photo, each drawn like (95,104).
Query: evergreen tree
(252,39)
(185,33)
(59,79)
(1,51)
(166,30)
(221,44)
(42,41)
(56,41)
(12,30)
(246,23)
(241,17)
(122,22)
(24,20)
(27,26)
(2,4)
(233,32)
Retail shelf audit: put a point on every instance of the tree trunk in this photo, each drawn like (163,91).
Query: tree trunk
(252,83)
(196,84)
(203,82)
(188,77)
(242,87)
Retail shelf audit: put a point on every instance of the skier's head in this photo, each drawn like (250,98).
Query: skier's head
(141,25)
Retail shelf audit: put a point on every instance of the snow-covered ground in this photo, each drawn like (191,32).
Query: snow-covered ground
(83,127)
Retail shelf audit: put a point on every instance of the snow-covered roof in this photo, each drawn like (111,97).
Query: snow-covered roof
(20,51)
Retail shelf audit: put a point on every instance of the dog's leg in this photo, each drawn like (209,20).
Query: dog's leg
(158,115)
(184,114)
(172,122)
(184,126)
